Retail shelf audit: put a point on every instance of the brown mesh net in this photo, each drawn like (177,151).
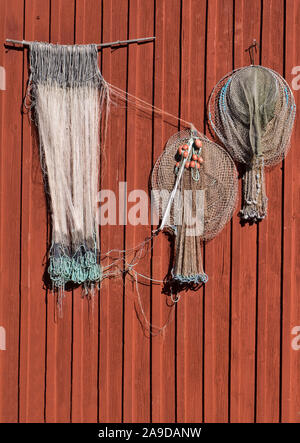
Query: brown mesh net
(194,189)
(252,111)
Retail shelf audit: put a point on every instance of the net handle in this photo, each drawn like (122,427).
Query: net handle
(179,175)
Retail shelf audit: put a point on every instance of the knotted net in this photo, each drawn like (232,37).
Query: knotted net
(194,189)
(252,111)
(69,96)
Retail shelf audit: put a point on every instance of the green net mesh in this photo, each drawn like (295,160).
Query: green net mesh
(252,111)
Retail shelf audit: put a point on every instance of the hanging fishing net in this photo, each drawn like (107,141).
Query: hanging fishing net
(194,190)
(252,111)
(69,96)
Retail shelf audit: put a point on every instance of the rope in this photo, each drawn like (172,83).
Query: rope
(130,98)
(153,329)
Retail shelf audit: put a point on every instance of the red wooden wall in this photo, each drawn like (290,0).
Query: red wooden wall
(227,355)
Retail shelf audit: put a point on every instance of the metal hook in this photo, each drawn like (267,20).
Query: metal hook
(175,297)
(251,50)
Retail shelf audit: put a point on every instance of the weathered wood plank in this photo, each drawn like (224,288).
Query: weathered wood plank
(10,176)
(290,406)
(190,307)
(244,255)
(217,252)
(137,400)
(114,68)
(33,245)
(269,257)
(166,97)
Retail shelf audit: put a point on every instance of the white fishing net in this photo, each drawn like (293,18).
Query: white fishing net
(69,97)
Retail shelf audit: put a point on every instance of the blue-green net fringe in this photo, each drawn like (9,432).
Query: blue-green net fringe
(81,268)
(196,279)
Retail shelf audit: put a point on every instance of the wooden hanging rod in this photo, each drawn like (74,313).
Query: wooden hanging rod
(100,45)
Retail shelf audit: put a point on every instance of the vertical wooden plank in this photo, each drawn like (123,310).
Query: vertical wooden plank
(190,307)
(217,252)
(11,146)
(166,97)
(138,161)
(114,68)
(269,261)
(33,245)
(244,256)
(291,235)
(85,312)
(59,330)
